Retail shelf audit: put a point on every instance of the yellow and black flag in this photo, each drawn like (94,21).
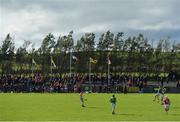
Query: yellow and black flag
(33,62)
(52,63)
(91,60)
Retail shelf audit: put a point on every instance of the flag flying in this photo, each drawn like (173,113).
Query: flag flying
(91,60)
(33,62)
(109,61)
(52,63)
(74,58)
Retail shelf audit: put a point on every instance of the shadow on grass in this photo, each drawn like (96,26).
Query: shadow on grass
(124,114)
(92,107)
(175,115)
(175,107)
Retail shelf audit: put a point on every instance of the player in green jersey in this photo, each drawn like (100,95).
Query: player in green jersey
(113,102)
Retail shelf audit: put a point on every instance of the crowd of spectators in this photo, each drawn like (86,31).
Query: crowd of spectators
(75,83)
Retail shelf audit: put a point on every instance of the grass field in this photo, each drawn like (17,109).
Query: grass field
(66,107)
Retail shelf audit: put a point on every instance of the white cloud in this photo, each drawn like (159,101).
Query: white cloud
(94,28)
(160,26)
(32,20)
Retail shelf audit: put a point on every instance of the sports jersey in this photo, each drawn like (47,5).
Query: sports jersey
(113,100)
(167,101)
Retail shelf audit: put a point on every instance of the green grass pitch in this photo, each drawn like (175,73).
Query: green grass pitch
(66,107)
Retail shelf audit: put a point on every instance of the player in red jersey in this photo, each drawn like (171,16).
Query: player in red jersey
(166,102)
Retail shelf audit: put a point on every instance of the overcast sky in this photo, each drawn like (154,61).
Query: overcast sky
(34,19)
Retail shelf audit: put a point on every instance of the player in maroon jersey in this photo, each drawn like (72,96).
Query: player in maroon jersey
(166,104)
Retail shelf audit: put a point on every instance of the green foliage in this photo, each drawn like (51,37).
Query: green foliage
(86,43)
(118,42)
(105,41)
(131,54)
(7,46)
(64,43)
(47,44)
(7,54)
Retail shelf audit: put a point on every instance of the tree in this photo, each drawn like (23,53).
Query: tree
(100,45)
(47,44)
(135,53)
(176,47)
(142,43)
(22,55)
(105,41)
(127,44)
(46,48)
(8,46)
(70,41)
(58,48)
(78,46)
(118,41)
(64,43)
(163,45)
(7,54)
(23,49)
(86,43)
(167,45)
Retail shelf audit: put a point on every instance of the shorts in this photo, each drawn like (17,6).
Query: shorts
(81,99)
(157,94)
(166,106)
(113,106)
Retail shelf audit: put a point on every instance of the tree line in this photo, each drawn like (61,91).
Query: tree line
(127,55)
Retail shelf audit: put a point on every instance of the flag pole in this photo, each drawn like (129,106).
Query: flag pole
(51,67)
(70,62)
(108,71)
(89,71)
(32,68)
